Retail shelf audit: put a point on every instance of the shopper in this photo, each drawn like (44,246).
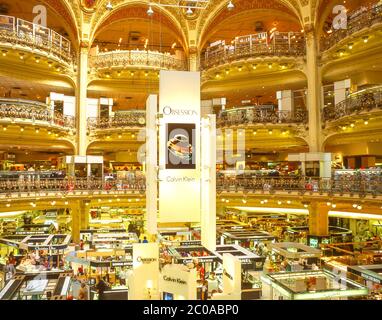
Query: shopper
(101,287)
(83,293)
(205,290)
(145,240)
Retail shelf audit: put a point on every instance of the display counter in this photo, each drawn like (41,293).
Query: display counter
(310,285)
(244,237)
(336,235)
(295,256)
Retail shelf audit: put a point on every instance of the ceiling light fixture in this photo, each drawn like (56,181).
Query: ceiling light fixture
(150,11)
(109,6)
(230,6)
(189,11)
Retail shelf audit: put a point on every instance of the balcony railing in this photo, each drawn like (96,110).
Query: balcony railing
(17,31)
(363,101)
(18,109)
(137,58)
(256,45)
(127,119)
(31,185)
(370,185)
(259,114)
(361,18)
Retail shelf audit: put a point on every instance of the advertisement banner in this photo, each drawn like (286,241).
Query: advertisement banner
(179,146)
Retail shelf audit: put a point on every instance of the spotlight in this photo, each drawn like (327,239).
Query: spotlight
(355,205)
(21,129)
(359,207)
(21,55)
(288,202)
(254,66)
(240,68)
(279,202)
(365,39)
(109,6)
(350,46)
(254,132)
(270,131)
(366,122)
(328,204)
(4,52)
(230,6)
(189,11)
(37,130)
(150,11)
(270,65)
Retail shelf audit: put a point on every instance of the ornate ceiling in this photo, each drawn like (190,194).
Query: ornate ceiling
(85,18)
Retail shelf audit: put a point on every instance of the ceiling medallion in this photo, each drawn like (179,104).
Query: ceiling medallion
(88,5)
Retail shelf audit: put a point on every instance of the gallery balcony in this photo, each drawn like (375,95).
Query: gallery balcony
(21,113)
(256,47)
(28,38)
(362,187)
(134,119)
(362,19)
(361,104)
(260,115)
(32,186)
(135,59)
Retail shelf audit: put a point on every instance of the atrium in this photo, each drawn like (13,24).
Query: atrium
(190,150)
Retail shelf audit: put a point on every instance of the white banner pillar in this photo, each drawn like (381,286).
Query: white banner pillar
(151,164)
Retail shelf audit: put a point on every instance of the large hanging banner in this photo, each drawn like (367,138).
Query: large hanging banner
(179,146)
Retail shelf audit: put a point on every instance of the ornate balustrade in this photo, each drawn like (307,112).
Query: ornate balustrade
(364,17)
(16,31)
(370,185)
(137,58)
(18,109)
(67,185)
(363,101)
(362,186)
(127,119)
(259,114)
(257,45)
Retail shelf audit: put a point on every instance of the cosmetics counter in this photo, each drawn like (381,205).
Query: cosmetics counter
(244,237)
(114,265)
(206,263)
(43,287)
(107,238)
(310,285)
(290,256)
(336,235)
(174,236)
(371,277)
(251,266)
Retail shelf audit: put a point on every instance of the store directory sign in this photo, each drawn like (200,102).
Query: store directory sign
(179,146)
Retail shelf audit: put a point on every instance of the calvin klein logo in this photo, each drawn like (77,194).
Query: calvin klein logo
(178,112)
(176,280)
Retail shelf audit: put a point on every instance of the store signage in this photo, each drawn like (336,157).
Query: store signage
(200,259)
(176,280)
(121,263)
(190,243)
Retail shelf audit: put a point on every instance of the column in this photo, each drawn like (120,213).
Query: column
(318,219)
(81,101)
(194,62)
(151,165)
(84,215)
(76,223)
(314,92)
